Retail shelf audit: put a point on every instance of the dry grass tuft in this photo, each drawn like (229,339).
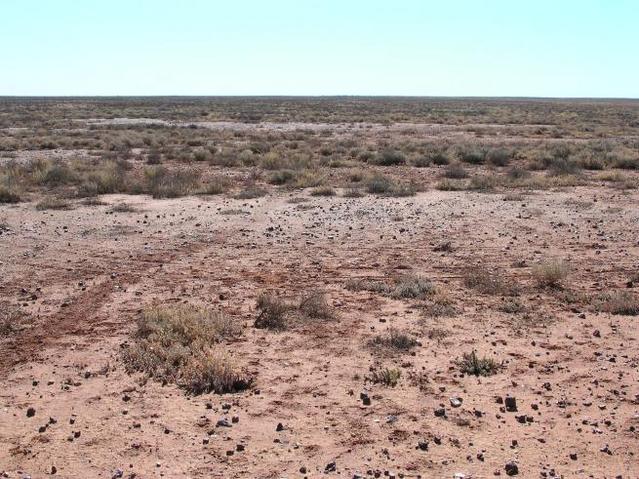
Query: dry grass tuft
(176,344)
(52,203)
(491,282)
(386,376)
(394,339)
(412,287)
(551,273)
(323,191)
(619,302)
(9,195)
(273,312)
(163,183)
(123,208)
(315,306)
(251,193)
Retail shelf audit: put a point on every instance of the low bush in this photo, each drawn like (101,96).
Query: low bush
(387,376)
(550,273)
(455,171)
(390,158)
(177,344)
(273,312)
(619,302)
(491,282)
(473,365)
(315,306)
(394,339)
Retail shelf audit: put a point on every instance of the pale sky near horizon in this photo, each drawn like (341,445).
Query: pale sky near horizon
(570,48)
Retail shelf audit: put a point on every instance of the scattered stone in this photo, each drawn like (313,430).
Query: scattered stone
(330,467)
(223,422)
(511,403)
(511,468)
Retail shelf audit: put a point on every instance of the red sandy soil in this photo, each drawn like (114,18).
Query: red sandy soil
(81,277)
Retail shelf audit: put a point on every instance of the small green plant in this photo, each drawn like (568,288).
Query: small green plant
(471,364)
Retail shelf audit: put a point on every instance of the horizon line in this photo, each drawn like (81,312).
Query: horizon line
(328,96)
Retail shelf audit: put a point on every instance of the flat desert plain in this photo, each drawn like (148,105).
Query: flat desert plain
(319,287)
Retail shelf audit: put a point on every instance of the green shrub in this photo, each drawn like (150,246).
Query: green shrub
(472,365)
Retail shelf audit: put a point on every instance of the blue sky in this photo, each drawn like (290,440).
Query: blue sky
(586,48)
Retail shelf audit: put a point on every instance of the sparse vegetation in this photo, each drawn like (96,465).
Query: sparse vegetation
(394,339)
(386,376)
(551,273)
(178,344)
(412,287)
(315,306)
(618,302)
(490,281)
(273,312)
(51,203)
(123,208)
(473,365)
(323,191)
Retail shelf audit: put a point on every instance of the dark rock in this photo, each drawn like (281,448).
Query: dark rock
(511,468)
(330,467)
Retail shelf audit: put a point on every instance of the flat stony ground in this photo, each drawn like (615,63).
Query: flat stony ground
(81,277)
